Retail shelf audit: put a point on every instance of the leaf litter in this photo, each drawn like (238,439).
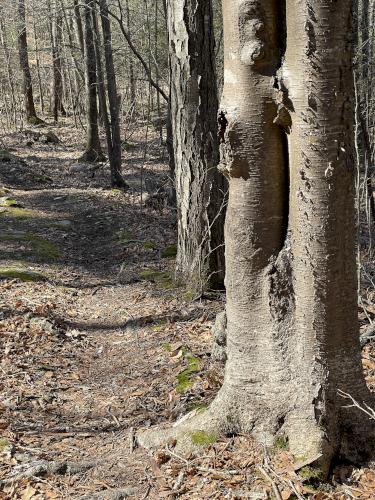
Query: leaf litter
(97,349)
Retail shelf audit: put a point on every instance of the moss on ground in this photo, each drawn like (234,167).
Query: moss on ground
(312,474)
(159,326)
(202,438)
(7,202)
(4,444)
(161,278)
(20,274)
(169,251)
(128,146)
(281,443)
(149,245)
(18,213)
(41,248)
(185,378)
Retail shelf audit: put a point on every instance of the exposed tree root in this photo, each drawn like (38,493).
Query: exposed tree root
(43,467)
(189,434)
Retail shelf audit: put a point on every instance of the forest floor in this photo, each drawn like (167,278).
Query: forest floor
(97,341)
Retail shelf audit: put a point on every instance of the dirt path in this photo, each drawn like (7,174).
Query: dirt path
(87,358)
(97,341)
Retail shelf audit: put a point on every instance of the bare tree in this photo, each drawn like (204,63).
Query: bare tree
(113,135)
(93,150)
(287,149)
(199,186)
(31,115)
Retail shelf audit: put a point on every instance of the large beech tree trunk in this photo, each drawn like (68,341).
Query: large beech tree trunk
(199,187)
(287,149)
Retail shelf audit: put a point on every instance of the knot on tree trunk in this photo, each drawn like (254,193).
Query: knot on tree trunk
(219,333)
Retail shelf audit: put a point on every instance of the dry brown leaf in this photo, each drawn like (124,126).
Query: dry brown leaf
(28,493)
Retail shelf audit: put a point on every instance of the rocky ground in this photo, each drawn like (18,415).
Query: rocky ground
(97,341)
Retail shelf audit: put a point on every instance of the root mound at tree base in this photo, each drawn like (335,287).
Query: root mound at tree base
(199,429)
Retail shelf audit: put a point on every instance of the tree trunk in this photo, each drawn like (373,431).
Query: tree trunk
(113,135)
(287,149)
(78,19)
(93,148)
(31,116)
(199,186)
(56,41)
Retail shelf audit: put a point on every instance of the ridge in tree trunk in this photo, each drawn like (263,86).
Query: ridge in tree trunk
(287,149)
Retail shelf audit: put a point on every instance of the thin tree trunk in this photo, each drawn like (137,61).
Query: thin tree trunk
(56,41)
(31,115)
(114,138)
(131,63)
(93,150)
(37,57)
(199,186)
(79,27)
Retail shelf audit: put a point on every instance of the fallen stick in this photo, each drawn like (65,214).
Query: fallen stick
(43,467)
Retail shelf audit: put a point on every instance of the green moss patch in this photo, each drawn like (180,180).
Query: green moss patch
(17,213)
(42,248)
(4,445)
(161,278)
(281,443)
(149,245)
(202,438)
(159,326)
(5,201)
(20,274)
(311,474)
(169,251)
(185,378)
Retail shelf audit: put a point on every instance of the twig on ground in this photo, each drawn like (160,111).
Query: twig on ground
(42,467)
(365,408)
(272,482)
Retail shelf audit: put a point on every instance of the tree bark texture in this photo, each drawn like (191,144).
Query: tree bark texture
(93,150)
(286,133)
(114,137)
(56,40)
(199,187)
(24,63)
